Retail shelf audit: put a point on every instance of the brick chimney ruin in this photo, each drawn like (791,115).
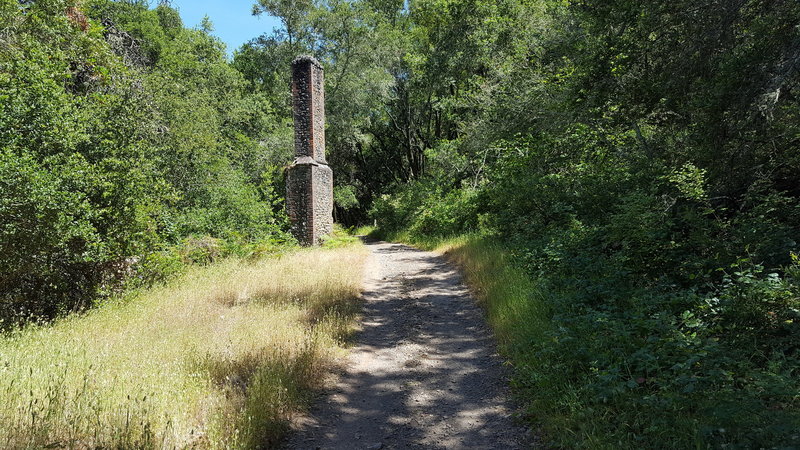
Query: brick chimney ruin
(309,184)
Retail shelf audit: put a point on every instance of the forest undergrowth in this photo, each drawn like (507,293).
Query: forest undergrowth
(625,377)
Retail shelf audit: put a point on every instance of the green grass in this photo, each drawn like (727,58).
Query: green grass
(363,230)
(514,306)
(341,237)
(221,357)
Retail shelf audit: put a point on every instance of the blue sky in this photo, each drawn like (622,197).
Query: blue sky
(232,19)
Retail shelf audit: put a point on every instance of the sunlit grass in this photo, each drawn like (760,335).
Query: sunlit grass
(506,292)
(364,230)
(219,358)
(508,295)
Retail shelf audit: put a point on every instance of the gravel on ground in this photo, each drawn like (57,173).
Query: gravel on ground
(424,372)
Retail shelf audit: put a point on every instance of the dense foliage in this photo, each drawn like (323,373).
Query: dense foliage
(123,135)
(639,160)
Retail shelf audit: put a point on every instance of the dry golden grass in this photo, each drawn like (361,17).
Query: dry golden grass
(221,358)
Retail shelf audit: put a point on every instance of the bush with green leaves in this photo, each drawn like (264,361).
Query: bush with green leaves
(666,325)
(427,210)
(79,185)
(123,133)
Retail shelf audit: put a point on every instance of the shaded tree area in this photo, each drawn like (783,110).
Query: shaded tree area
(639,160)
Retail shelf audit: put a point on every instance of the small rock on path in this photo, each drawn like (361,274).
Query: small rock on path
(424,372)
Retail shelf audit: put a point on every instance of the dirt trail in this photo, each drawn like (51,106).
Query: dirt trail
(424,372)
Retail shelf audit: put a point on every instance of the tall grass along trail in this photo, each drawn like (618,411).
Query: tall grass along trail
(220,358)
(424,372)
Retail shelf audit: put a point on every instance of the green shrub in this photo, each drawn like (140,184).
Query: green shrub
(202,250)
(123,133)
(662,319)
(425,209)
(447,215)
(48,244)
(397,211)
(158,267)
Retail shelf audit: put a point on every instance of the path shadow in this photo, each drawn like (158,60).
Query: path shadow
(426,374)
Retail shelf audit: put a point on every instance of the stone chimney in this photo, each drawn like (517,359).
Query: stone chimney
(309,186)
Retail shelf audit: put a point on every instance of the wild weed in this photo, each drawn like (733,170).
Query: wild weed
(221,357)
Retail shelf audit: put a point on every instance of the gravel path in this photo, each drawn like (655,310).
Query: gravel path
(424,372)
